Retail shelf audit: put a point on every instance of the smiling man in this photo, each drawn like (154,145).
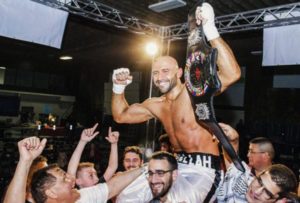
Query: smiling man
(85,172)
(162,172)
(273,184)
(197,151)
(132,158)
(54,185)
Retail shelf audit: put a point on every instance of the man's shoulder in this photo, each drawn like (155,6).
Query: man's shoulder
(97,193)
(154,101)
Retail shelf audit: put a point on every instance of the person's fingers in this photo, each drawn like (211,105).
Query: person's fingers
(43,144)
(120,82)
(25,143)
(223,125)
(88,132)
(36,142)
(122,75)
(96,133)
(85,132)
(109,130)
(32,143)
(116,134)
(94,127)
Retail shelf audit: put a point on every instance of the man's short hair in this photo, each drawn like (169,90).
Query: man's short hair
(284,178)
(265,145)
(83,165)
(41,181)
(133,149)
(39,159)
(164,138)
(292,198)
(33,168)
(170,158)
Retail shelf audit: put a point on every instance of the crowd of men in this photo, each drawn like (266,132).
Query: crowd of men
(187,169)
(50,183)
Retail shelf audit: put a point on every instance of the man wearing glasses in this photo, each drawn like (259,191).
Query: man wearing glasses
(162,174)
(260,154)
(276,183)
(272,185)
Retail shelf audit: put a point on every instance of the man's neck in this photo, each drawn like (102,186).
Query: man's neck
(175,92)
(163,199)
(56,201)
(261,169)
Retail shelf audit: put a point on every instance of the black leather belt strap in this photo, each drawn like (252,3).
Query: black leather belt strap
(203,83)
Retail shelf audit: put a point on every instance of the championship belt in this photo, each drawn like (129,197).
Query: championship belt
(202,83)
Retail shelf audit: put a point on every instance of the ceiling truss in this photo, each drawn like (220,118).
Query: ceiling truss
(244,21)
(104,14)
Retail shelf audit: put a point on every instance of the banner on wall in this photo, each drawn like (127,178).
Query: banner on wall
(33,22)
(281,45)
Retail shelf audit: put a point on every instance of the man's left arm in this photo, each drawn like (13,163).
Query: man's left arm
(229,70)
(86,136)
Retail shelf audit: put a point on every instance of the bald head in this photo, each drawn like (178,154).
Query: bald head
(166,73)
(165,61)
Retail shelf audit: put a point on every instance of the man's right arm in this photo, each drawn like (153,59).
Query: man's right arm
(121,180)
(121,111)
(29,149)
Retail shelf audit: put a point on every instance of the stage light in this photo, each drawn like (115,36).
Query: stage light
(151,48)
(65,58)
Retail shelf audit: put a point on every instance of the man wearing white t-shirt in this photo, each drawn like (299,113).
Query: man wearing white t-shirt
(54,185)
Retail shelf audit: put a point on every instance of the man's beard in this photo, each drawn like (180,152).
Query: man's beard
(132,167)
(172,84)
(164,190)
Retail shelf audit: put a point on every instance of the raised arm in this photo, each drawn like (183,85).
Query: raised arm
(29,149)
(112,138)
(86,136)
(121,111)
(229,69)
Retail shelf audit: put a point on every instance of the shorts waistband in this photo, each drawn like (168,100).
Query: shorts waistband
(199,159)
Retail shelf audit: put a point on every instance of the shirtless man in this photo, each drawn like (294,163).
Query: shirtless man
(193,143)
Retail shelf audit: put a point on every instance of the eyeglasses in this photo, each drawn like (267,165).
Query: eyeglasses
(269,194)
(253,152)
(159,173)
